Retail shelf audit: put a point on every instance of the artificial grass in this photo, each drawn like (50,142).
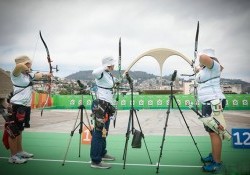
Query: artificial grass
(179,156)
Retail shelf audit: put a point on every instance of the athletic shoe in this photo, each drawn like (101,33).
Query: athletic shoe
(16,159)
(207,159)
(108,157)
(24,154)
(100,165)
(213,167)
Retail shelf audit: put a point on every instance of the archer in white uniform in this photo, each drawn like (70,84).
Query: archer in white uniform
(103,108)
(20,102)
(209,89)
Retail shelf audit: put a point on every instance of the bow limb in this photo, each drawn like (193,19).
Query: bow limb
(120,77)
(120,59)
(193,64)
(196,41)
(50,71)
(47,50)
(119,68)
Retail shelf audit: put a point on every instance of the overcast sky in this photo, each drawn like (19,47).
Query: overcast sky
(79,33)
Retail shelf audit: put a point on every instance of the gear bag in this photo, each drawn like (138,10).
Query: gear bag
(136,141)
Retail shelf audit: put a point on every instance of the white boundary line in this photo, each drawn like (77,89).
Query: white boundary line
(129,164)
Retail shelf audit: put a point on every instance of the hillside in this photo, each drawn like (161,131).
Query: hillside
(87,75)
(142,76)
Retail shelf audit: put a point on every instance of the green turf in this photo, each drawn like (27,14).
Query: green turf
(179,156)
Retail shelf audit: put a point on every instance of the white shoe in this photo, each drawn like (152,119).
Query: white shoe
(108,157)
(100,165)
(17,159)
(24,154)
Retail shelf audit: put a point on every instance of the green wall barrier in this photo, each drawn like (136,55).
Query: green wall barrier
(234,101)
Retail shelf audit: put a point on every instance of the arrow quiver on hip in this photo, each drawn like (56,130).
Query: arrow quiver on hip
(216,120)
(101,112)
(10,123)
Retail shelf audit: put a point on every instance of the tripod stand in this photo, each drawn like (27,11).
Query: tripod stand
(80,125)
(130,127)
(172,99)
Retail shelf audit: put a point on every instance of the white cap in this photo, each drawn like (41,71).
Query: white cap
(23,59)
(108,61)
(209,52)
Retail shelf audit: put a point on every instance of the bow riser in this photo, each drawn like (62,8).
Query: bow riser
(120,77)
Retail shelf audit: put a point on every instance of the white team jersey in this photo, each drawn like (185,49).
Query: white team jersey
(23,94)
(209,83)
(105,82)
